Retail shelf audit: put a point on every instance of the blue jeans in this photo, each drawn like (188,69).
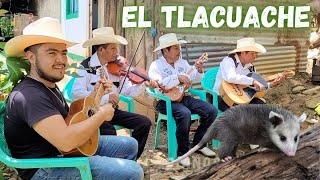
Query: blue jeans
(182,111)
(114,159)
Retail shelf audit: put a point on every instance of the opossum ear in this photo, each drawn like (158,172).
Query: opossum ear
(275,118)
(302,118)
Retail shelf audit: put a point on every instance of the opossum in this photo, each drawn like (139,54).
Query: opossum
(265,125)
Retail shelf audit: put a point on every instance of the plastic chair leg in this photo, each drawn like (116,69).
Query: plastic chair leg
(215,144)
(85,173)
(172,141)
(158,125)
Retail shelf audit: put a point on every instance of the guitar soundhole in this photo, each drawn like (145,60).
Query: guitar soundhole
(90,113)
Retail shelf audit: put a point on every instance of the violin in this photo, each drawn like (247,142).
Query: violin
(119,67)
(136,75)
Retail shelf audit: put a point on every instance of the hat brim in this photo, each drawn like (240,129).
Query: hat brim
(105,40)
(162,46)
(15,47)
(257,48)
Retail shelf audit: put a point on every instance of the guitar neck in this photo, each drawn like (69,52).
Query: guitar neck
(272,77)
(100,90)
(98,97)
(286,73)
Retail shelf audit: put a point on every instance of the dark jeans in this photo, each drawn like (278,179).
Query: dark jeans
(182,114)
(138,123)
(223,106)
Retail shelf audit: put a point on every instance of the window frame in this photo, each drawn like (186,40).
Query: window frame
(71,15)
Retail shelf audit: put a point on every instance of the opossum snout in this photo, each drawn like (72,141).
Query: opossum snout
(292,153)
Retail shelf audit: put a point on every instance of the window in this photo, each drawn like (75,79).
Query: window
(72,9)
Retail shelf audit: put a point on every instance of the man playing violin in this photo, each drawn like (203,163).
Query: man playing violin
(171,70)
(235,67)
(105,43)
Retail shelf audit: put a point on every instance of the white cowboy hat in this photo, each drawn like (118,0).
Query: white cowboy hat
(104,35)
(167,40)
(44,30)
(248,44)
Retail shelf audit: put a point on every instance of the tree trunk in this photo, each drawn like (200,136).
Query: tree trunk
(270,164)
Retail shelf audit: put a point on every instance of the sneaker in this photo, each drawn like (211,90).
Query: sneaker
(253,146)
(207,152)
(185,162)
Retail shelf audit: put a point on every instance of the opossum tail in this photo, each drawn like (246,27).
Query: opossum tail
(191,151)
(209,135)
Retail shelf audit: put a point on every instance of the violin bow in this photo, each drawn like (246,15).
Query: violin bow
(134,54)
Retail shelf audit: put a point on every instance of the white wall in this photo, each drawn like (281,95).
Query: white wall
(76,29)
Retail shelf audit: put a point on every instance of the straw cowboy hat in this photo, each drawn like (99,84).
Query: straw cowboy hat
(44,30)
(248,44)
(104,35)
(167,40)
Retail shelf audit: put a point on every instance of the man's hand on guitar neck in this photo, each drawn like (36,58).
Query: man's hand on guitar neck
(199,63)
(107,85)
(278,80)
(258,85)
(199,66)
(184,80)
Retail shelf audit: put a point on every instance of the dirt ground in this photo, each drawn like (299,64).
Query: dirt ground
(151,158)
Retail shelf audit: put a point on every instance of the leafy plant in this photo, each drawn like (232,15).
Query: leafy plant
(12,70)
(6,26)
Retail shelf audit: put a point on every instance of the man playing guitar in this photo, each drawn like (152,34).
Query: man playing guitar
(171,70)
(235,67)
(35,125)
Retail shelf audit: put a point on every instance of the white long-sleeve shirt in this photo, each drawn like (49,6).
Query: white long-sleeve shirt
(167,75)
(232,74)
(84,85)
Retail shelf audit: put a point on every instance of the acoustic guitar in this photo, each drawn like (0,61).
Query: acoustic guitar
(81,110)
(233,94)
(176,93)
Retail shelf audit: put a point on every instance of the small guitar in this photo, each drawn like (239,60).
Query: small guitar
(233,94)
(81,110)
(176,93)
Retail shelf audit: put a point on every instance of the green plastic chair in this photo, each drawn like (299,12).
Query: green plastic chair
(67,94)
(171,124)
(82,163)
(207,84)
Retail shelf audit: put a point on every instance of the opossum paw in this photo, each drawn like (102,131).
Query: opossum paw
(228,158)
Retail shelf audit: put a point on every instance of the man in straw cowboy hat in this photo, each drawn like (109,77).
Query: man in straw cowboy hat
(105,43)
(171,70)
(234,68)
(34,125)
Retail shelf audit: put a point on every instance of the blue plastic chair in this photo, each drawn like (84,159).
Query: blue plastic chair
(207,84)
(171,123)
(82,163)
(67,94)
